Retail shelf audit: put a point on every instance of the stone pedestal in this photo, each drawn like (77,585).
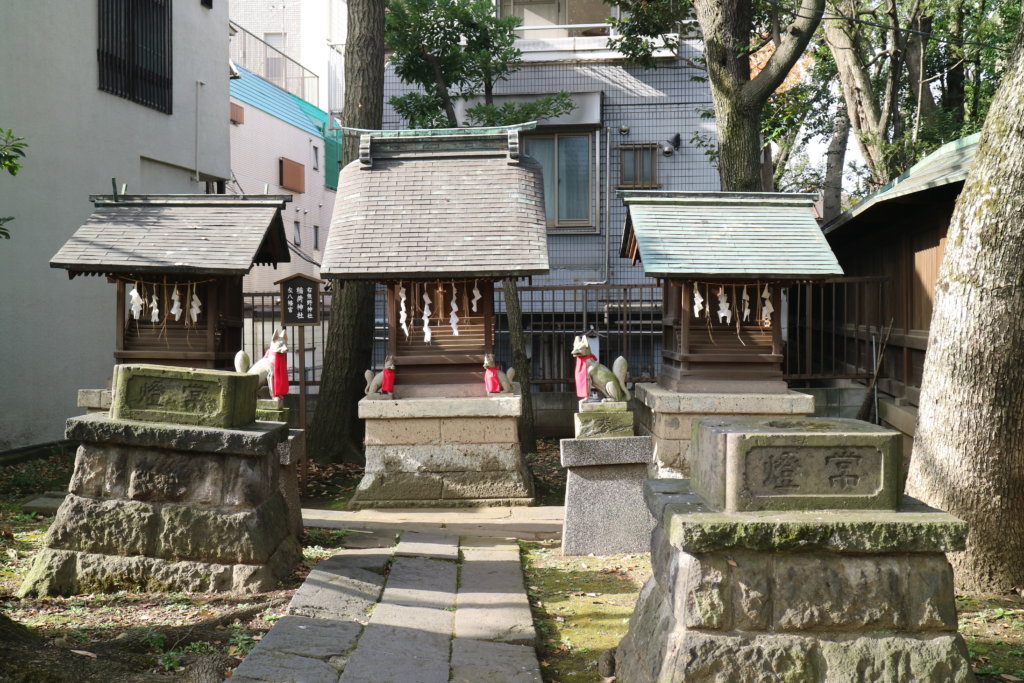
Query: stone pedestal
(443,452)
(801,595)
(604,508)
(602,419)
(667,416)
(793,557)
(168,507)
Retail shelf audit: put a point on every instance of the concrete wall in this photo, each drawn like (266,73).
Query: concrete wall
(59,335)
(256,147)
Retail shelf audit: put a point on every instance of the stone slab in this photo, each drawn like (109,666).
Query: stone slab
(442,489)
(915,527)
(474,661)
(426,619)
(94,399)
(600,424)
(620,450)
(345,594)
(436,546)
(793,463)
(605,512)
(268,666)
(490,406)
(189,396)
(661,400)
(257,439)
(307,637)
(492,601)
(586,406)
(388,654)
(479,457)
(372,559)
(47,504)
(421,582)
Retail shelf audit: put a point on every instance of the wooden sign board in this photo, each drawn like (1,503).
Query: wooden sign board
(300,300)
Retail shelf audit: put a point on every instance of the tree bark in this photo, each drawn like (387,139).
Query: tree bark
(527,437)
(726,27)
(835,158)
(862,103)
(336,433)
(969,449)
(915,45)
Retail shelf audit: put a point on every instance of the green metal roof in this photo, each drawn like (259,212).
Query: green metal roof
(755,235)
(947,165)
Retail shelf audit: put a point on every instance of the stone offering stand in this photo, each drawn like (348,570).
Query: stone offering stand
(600,419)
(797,561)
(449,452)
(177,490)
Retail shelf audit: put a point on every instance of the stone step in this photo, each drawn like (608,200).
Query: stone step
(300,649)
(492,603)
(437,546)
(474,661)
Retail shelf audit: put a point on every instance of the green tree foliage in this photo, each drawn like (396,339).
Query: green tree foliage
(12,151)
(456,49)
(733,32)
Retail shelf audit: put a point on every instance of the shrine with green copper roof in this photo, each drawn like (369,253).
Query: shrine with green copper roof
(724,258)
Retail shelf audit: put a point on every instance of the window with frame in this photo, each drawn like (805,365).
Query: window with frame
(135,51)
(567,161)
(297,233)
(316,158)
(275,66)
(316,238)
(638,165)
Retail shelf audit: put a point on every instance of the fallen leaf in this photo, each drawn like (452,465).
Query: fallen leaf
(1009,677)
(731,563)
(85,652)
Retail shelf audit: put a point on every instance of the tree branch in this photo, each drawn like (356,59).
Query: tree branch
(798,35)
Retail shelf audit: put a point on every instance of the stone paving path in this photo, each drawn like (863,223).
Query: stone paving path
(427,610)
(527,523)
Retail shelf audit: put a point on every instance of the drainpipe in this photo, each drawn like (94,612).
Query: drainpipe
(607,205)
(199,84)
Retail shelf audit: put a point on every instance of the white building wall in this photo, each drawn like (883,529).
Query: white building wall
(310,27)
(256,147)
(59,335)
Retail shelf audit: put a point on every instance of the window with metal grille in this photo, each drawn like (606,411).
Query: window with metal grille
(639,167)
(135,51)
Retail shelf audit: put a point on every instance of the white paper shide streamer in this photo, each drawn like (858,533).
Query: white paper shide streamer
(176,305)
(426,317)
(745,297)
(403,314)
(476,296)
(154,314)
(453,319)
(698,301)
(196,308)
(137,301)
(767,309)
(723,306)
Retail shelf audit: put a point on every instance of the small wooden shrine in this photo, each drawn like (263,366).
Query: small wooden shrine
(439,217)
(724,258)
(178,263)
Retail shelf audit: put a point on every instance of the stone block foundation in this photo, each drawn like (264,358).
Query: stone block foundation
(667,417)
(795,595)
(442,452)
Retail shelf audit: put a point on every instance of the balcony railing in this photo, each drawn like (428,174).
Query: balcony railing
(270,64)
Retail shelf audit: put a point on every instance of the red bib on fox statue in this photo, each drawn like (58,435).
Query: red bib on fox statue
(491,381)
(278,379)
(387,382)
(582,383)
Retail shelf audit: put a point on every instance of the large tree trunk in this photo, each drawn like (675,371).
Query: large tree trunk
(527,438)
(739,99)
(835,158)
(969,449)
(336,433)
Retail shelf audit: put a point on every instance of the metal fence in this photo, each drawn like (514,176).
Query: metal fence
(827,329)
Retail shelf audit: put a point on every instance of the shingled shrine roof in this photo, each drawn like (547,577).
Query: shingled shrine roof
(726,234)
(424,204)
(211,234)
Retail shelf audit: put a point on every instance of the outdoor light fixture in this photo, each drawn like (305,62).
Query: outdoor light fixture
(623,129)
(670,145)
